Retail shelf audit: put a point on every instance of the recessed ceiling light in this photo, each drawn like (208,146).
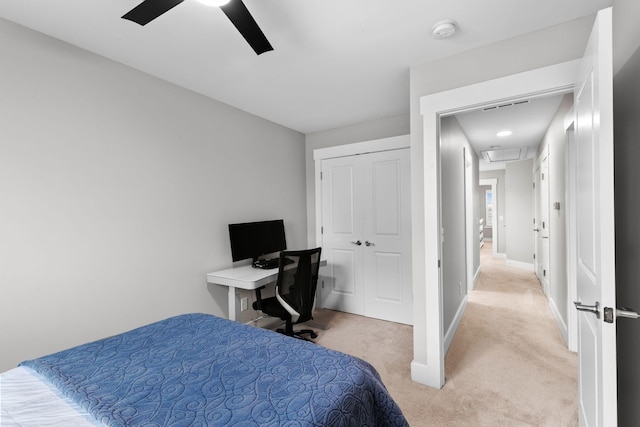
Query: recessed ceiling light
(503,133)
(443,29)
(215,3)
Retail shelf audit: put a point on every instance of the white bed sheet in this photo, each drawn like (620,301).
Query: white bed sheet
(26,399)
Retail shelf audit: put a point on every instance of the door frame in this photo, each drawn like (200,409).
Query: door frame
(542,249)
(572,241)
(427,366)
(471,224)
(352,149)
(493,182)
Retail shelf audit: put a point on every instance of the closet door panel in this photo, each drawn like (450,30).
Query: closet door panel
(387,224)
(341,228)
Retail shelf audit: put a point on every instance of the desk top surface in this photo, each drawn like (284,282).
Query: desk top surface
(245,276)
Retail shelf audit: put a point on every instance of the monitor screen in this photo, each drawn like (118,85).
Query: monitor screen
(253,239)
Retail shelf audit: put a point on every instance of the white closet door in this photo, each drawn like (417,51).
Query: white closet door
(367,234)
(342,228)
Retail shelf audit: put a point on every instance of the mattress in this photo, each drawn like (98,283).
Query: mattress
(27,400)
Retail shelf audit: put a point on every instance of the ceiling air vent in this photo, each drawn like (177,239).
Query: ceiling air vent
(508,104)
(505,154)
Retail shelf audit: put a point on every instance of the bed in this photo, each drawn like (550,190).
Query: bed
(197,370)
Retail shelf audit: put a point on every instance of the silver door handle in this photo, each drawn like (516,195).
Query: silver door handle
(536,229)
(358,243)
(595,309)
(368,243)
(625,312)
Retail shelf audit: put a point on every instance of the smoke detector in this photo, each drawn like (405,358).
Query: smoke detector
(443,29)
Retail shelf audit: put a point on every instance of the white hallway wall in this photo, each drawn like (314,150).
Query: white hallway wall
(116,191)
(519,213)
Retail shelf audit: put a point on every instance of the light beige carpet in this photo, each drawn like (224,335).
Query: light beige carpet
(507,365)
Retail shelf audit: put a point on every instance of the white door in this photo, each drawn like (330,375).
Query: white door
(595,228)
(537,258)
(367,234)
(542,222)
(342,234)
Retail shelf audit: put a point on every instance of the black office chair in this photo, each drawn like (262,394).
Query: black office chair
(295,291)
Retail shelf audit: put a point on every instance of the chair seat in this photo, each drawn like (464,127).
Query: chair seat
(272,307)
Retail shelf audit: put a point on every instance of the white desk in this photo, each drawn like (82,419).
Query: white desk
(244,277)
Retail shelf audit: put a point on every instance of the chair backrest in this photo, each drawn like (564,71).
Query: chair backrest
(297,282)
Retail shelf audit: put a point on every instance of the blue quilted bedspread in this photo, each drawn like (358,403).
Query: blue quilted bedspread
(201,370)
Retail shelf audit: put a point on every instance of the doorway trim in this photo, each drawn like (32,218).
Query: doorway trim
(572,243)
(493,182)
(472,236)
(427,366)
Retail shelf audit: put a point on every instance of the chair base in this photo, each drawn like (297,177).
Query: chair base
(299,334)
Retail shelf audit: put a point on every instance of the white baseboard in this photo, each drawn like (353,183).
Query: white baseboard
(562,326)
(476,277)
(500,255)
(519,264)
(451,332)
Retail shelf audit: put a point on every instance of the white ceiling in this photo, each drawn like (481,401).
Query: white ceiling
(335,63)
(527,119)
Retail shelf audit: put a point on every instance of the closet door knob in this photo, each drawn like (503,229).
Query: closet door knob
(358,243)
(368,243)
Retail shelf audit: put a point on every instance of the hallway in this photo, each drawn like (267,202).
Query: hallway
(509,339)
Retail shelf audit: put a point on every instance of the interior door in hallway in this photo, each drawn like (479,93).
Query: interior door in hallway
(366,234)
(595,269)
(541,226)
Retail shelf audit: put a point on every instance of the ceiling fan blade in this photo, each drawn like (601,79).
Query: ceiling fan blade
(149,10)
(239,15)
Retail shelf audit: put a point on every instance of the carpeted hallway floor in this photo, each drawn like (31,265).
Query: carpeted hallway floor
(507,365)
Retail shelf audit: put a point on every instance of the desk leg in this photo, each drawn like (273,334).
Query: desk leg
(232,303)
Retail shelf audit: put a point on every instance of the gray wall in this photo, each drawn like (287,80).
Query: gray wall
(453,142)
(519,211)
(499,208)
(626,85)
(555,142)
(117,189)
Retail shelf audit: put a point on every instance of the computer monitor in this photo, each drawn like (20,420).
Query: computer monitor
(253,239)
